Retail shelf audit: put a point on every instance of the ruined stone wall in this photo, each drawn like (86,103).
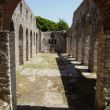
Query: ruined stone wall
(85,28)
(7,63)
(7,71)
(15,50)
(45,46)
(53,41)
(25,33)
(92,48)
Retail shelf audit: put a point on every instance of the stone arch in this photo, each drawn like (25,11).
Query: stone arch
(31,44)
(21,59)
(27,45)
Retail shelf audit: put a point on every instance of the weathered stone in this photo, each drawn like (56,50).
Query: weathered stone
(4,105)
(26,34)
(53,41)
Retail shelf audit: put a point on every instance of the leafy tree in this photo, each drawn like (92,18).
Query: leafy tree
(48,25)
(45,24)
(62,25)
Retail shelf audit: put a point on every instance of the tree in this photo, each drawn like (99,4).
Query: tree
(62,25)
(48,25)
(45,24)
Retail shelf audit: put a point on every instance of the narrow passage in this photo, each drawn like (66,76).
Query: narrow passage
(50,82)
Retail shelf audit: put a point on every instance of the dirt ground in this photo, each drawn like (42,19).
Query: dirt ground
(51,82)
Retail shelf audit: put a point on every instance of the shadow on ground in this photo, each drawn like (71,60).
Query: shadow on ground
(80,91)
(26,107)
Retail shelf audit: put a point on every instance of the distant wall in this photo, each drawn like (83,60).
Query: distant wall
(53,41)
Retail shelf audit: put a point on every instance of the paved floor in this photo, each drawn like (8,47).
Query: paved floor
(50,82)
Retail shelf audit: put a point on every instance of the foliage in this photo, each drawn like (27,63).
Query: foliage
(62,25)
(48,25)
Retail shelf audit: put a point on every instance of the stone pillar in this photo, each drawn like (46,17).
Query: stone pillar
(7,69)
(82,49)
(74,44)
(77,45)
(103,72)
(40,41)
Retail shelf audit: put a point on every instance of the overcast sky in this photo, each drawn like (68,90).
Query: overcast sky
(54,9)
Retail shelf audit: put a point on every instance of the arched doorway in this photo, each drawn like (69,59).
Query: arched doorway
(21,60)
(27,45)
(31,44)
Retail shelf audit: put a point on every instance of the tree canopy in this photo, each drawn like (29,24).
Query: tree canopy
(48,25)
(62,25)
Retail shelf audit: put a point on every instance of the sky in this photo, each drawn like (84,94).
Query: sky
(54,9)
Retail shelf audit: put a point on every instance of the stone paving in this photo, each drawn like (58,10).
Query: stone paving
(49,82)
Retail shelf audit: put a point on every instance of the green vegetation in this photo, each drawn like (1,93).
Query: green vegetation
(48,25)
(62,25)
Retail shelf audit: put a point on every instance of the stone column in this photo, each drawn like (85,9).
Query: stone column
(82,49)
(103,72)
(7,70)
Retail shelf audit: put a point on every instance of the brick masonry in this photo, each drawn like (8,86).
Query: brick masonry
(88,21)
(91,48)
(25,33)
(19,44)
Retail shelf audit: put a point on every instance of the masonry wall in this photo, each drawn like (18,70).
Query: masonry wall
(53,41)
(85,28)
(25,33)
(91,48)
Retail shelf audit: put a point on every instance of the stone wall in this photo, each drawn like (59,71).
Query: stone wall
(25,33)
(82,18)
(16,45)
(45,46)
(84,34)
(7,70)
(91,48)
(53,41)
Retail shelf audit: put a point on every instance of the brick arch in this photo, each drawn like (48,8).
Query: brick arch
(8,8)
